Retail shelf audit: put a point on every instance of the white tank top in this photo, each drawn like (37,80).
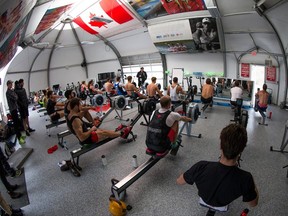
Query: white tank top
(173,93)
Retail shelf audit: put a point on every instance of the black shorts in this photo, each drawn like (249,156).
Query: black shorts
(55,117)
(206,100)
(24,113)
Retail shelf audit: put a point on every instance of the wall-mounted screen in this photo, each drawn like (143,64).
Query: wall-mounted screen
(205,34)
(149,9)
(185,36)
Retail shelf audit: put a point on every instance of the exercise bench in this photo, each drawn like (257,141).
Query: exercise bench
(61,136)
(53,124)
(75,154)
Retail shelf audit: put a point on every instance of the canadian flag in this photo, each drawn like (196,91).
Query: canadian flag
(104,15)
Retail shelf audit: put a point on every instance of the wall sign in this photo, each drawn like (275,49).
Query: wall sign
(245,70)
(270,73)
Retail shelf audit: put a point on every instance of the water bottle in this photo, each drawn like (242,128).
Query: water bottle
(135,162)
(104,160)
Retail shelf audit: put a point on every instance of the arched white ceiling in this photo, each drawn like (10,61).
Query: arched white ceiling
(242,30)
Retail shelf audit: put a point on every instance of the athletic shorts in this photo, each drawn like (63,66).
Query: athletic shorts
(24,112)
(55,117)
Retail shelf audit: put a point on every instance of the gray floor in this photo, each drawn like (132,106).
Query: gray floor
(52,192)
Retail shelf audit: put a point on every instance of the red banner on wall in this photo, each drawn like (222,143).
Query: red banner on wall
(245,70)
(270,73)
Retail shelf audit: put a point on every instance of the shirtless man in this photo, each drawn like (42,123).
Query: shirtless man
(174,90)
(91,135)
(207,92)
(132,90)
(108,86)
(153,90)
(263,96)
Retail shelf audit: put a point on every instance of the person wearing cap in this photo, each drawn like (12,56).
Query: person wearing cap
(204,35)
(23,103)
(142,76)
(13,108)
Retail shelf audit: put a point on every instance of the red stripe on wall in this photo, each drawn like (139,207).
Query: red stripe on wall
(84,26)
(116,11)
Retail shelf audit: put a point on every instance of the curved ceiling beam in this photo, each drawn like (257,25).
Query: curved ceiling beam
(51,53)
(253,40)
(263,14)
(46,33)
(30,70)
(84,63)
(221,38)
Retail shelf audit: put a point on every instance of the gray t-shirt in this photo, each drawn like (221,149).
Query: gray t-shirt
(172,117)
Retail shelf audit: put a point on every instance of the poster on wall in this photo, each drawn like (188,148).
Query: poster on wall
(50,17)
(245,70)
(149,9)
(11,14)
(9,48)
(205,33)
(185,36)
(270,73)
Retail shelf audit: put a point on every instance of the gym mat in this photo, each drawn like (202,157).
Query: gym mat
(21,182)
(18,158)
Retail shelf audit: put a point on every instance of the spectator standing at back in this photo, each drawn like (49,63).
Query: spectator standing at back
(23,103)
(13,108)
(142,76)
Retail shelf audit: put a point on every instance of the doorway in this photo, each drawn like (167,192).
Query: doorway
(258,77)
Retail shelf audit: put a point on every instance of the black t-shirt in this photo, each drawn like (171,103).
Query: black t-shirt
(50,107)
(218,185)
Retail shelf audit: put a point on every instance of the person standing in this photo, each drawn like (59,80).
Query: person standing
(13,108)
(23,103)
(142,76)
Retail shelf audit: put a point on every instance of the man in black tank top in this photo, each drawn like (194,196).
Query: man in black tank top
(84,113)
(89,135)
(163,128)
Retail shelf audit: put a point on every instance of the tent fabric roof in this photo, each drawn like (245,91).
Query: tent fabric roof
(243,28)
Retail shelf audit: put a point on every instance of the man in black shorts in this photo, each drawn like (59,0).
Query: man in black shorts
(91,135)
(23,103)
(220,183)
